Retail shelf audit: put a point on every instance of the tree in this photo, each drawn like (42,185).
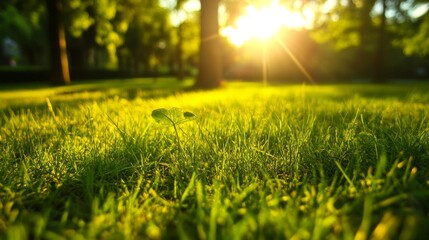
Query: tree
(59,71)
(147,41)
(414,33)
(179,46)
(22,21)
(187,44)
(369,27)
(94,25)
(210,65)
(348,25)
(380,60)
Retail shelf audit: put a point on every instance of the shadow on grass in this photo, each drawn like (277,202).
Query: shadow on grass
(83,92)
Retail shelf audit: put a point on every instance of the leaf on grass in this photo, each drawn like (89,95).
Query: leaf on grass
(188,115)
(161,116)
(172,116)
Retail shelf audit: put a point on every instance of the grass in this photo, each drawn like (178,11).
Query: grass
(12,95)
(298,162)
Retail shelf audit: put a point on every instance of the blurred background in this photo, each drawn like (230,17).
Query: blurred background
(330,40)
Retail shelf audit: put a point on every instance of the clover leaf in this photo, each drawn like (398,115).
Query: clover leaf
(172,117)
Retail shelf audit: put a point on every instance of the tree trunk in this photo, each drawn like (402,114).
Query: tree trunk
(179,52)
(59,69)
(364,69)
(210,65)
(380,60)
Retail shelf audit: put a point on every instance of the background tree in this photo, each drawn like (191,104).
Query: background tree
(413,33)
(24,23)
(380,59)
(146,40)
(143,37)
(365,28)
(99,23)
(348,25)
(187,43)
(179,45)
(210,65)
(59,69)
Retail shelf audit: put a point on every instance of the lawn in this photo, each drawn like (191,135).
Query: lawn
(12,95)
(277,162)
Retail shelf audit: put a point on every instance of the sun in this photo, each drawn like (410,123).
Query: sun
(263,23)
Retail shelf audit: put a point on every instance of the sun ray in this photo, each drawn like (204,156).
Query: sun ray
(264,64)
(264,23)
(296,61)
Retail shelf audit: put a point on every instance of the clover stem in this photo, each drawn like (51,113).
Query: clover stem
(177,137)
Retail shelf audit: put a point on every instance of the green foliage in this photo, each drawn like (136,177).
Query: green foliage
(148,42)
(190,34)
(14,25)
(350,24)
(342,33)
(107,17)
(22,24)
(415,41)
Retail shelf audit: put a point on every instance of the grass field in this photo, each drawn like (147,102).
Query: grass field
(284,162)
(12,95)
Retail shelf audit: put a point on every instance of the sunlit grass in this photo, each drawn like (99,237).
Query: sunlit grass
(338,162)
(130,88)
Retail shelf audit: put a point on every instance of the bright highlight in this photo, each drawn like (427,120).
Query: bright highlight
(263,23)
